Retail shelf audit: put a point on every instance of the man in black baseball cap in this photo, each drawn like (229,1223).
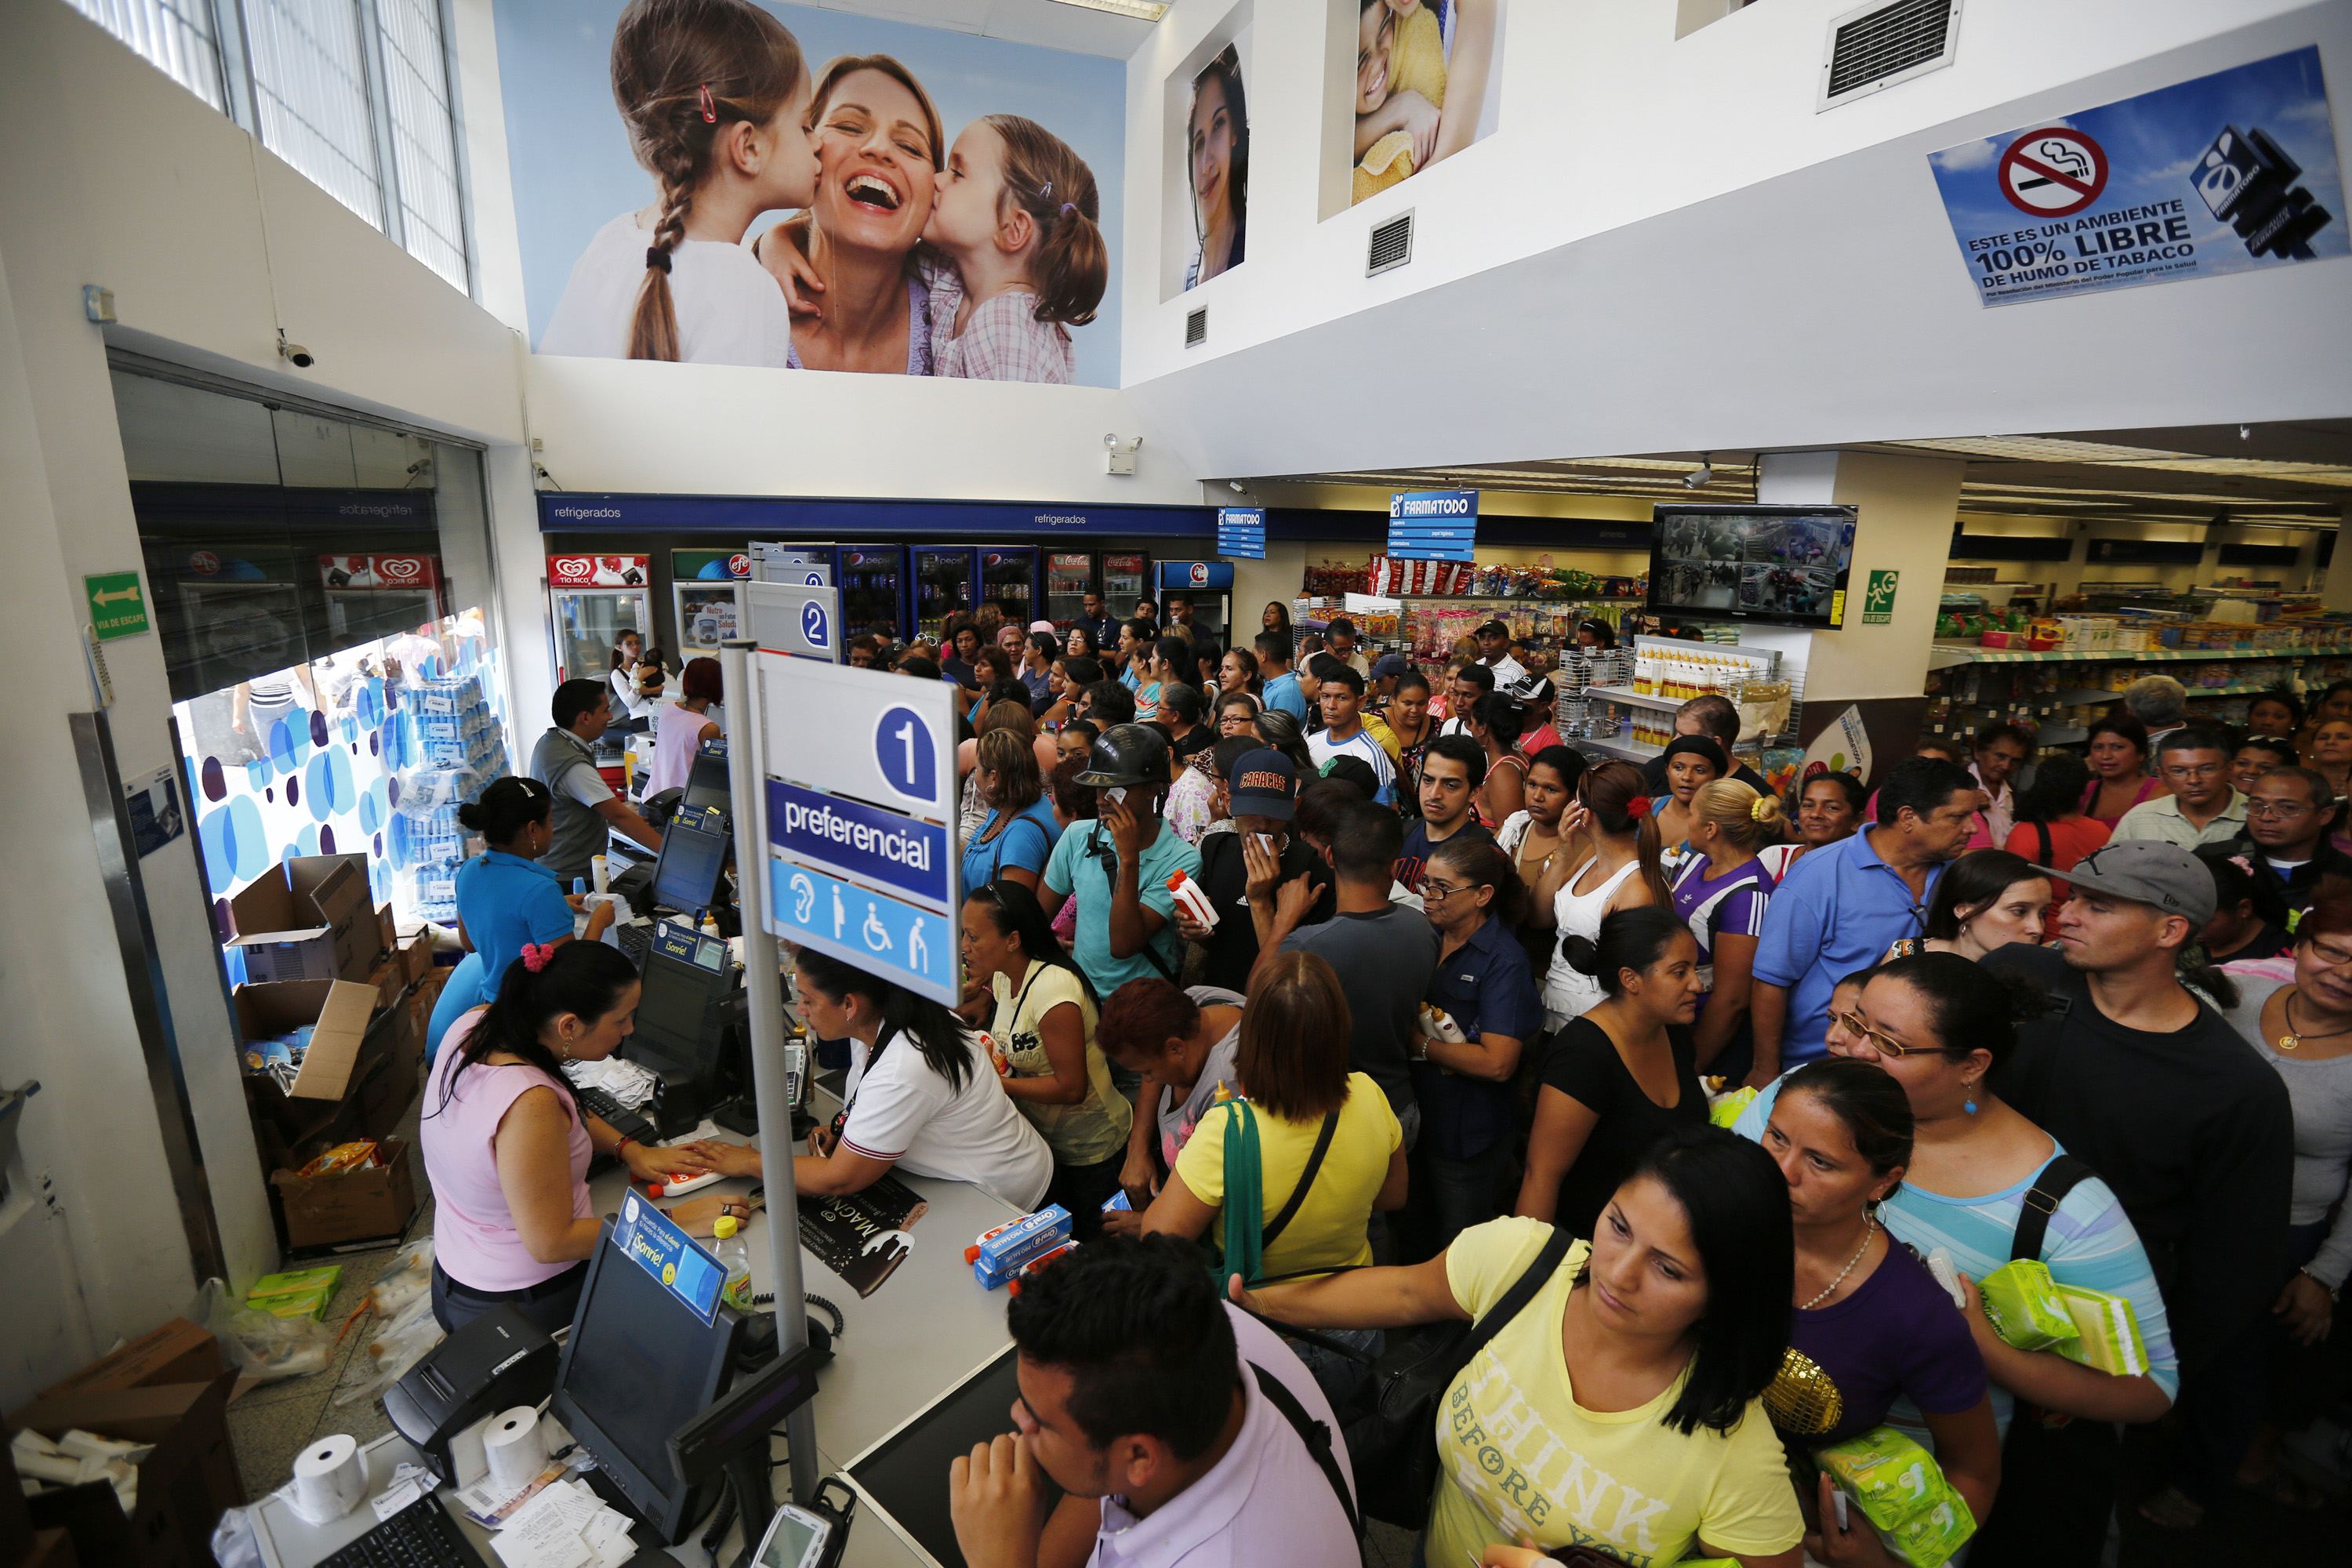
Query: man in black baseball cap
(1118,865)
(1261,789)
(2137,1076)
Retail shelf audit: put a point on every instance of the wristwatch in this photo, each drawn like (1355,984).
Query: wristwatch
(2335,1293)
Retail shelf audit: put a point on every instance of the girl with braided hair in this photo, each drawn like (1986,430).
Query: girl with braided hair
(715,94)
(1016,222)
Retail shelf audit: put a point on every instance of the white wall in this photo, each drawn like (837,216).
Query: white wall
(1607,118)
(209,247)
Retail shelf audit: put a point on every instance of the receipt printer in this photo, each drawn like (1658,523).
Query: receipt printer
(493,1364)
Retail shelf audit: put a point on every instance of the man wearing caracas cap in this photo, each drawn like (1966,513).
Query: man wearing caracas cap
(2132,1073)
(1261,791)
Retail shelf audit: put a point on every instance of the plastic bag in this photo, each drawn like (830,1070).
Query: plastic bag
(234,1544)
(265,1347)
(398,1346)
(406,1278)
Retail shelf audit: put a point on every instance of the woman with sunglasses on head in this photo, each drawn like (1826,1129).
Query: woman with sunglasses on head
(1619,1408)
(1979,1171)
(1480,1014)
(1620,1074)
(1870,1326)
(2302,1028)
(1986,900)
(1042,1017)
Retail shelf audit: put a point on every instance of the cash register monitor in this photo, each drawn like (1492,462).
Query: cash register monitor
(901,1475)
(694,850)
(685,976)
(641,1364)
(706,785)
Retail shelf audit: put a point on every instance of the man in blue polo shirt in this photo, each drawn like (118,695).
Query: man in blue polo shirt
(1841,907)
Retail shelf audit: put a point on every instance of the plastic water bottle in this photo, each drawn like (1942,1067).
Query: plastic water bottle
(736,1258)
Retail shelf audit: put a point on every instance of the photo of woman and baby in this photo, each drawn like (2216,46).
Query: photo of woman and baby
(1426,78)
(909,251)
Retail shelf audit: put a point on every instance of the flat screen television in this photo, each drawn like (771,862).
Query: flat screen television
(1776,565)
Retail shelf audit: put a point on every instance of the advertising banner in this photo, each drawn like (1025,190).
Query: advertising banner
(2225,174)
(1204,224)
(985,176)
(1427,83)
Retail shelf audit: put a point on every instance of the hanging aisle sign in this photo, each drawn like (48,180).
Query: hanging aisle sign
(857,812)
(1241,532)
(1433,525)
(2228,172)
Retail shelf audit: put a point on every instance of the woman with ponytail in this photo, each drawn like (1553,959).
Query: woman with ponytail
(1620,1074)
(924,1092)
(1618,869)
(1721,891)
(1017,221)
(714,96)
(507,1146)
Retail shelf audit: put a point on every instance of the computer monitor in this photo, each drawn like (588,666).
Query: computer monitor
(641,1364)
(684,974)
(694,851)
(707,784)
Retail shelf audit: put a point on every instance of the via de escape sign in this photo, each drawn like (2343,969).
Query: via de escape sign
(856,811)
(117,605)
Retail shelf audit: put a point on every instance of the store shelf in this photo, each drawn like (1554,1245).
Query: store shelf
(1943,656)
(1627,695)
(1628,749)
(2089,697)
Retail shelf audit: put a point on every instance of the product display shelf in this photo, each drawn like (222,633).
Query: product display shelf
(1945,655)
(1630,698)
(1767,664)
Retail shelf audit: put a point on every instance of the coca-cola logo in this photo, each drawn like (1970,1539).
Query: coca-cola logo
(399,568)
(203,563)
(573,568)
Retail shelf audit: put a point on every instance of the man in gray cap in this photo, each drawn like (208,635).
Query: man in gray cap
(1118,866)
(2133,1074)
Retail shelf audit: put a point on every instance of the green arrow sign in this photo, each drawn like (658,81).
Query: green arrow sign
(117,605)
(1879,600)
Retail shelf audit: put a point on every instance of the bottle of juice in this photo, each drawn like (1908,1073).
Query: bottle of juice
(736,1258)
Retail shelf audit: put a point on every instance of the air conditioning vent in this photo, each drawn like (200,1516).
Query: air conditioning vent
(1196,327)
(1876,46)
(1391,246)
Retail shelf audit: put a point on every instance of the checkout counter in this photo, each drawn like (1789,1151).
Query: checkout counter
(921,1335)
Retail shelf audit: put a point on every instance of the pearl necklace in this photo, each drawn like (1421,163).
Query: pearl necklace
(1869,1225)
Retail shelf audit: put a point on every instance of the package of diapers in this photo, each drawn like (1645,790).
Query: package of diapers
(2025,1306)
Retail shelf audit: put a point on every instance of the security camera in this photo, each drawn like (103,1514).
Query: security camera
(1701,475)
(294,353)
(1238,488)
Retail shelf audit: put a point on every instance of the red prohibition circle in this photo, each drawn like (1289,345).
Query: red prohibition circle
(2023,159)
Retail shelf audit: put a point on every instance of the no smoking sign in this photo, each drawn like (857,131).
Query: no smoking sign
(2052,173)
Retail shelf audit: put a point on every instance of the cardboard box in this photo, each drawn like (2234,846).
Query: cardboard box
(336,1011)
(178,1352)
(183,1486)
(309,921)
(415,956)
(389,981)
(350,1205)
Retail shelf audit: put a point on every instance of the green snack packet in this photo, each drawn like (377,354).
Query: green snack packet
(297,1293)
(1725,1110)
(2106,1332)
(1888,1476)
(1928,1538)
(2026,1307)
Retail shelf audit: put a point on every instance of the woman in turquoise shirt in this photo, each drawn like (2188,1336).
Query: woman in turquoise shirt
(505,897)
(1017,838)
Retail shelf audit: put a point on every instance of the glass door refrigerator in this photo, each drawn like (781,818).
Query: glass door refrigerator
(1069,578)
(595,598)
(945,578)
(1126,578)
(1008,578)
(871,578)
(1208,585)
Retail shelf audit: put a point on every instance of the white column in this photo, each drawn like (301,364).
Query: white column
(2335,582)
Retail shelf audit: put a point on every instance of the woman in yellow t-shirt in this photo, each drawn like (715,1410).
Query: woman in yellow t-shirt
(1293,1061)
(1622,1408)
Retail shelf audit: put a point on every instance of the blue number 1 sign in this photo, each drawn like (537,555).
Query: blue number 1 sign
(903,752)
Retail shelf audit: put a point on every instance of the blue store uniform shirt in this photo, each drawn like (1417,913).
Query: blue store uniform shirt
(1283,692)
(1486,988)
(505,901)
(1837,910)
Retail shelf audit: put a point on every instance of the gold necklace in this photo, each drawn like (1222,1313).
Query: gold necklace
(2294,1037)
(1869,1225)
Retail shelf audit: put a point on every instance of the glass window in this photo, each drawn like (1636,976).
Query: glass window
(174,36)
(310,86)
(424,136)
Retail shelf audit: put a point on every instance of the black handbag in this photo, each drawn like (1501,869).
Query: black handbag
(1392,1431)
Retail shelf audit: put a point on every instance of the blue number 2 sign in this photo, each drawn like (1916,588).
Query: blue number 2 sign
(813,625)
(903,752)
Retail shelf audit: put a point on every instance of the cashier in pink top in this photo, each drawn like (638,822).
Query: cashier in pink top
(507,1146)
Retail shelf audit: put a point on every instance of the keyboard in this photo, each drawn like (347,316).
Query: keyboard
(628,1123)
(420,1535)
(635,939)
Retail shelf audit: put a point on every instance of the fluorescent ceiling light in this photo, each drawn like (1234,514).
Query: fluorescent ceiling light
(1140,10)
(2041,450)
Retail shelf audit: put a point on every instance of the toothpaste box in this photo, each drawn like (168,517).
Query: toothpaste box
(997,1256)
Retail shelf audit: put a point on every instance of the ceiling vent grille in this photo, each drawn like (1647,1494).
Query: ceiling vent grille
(1391,246)
(1196,327)
(1876,46)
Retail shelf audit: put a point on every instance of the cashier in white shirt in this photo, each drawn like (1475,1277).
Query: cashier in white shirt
(923,1092)
(1171,1421)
